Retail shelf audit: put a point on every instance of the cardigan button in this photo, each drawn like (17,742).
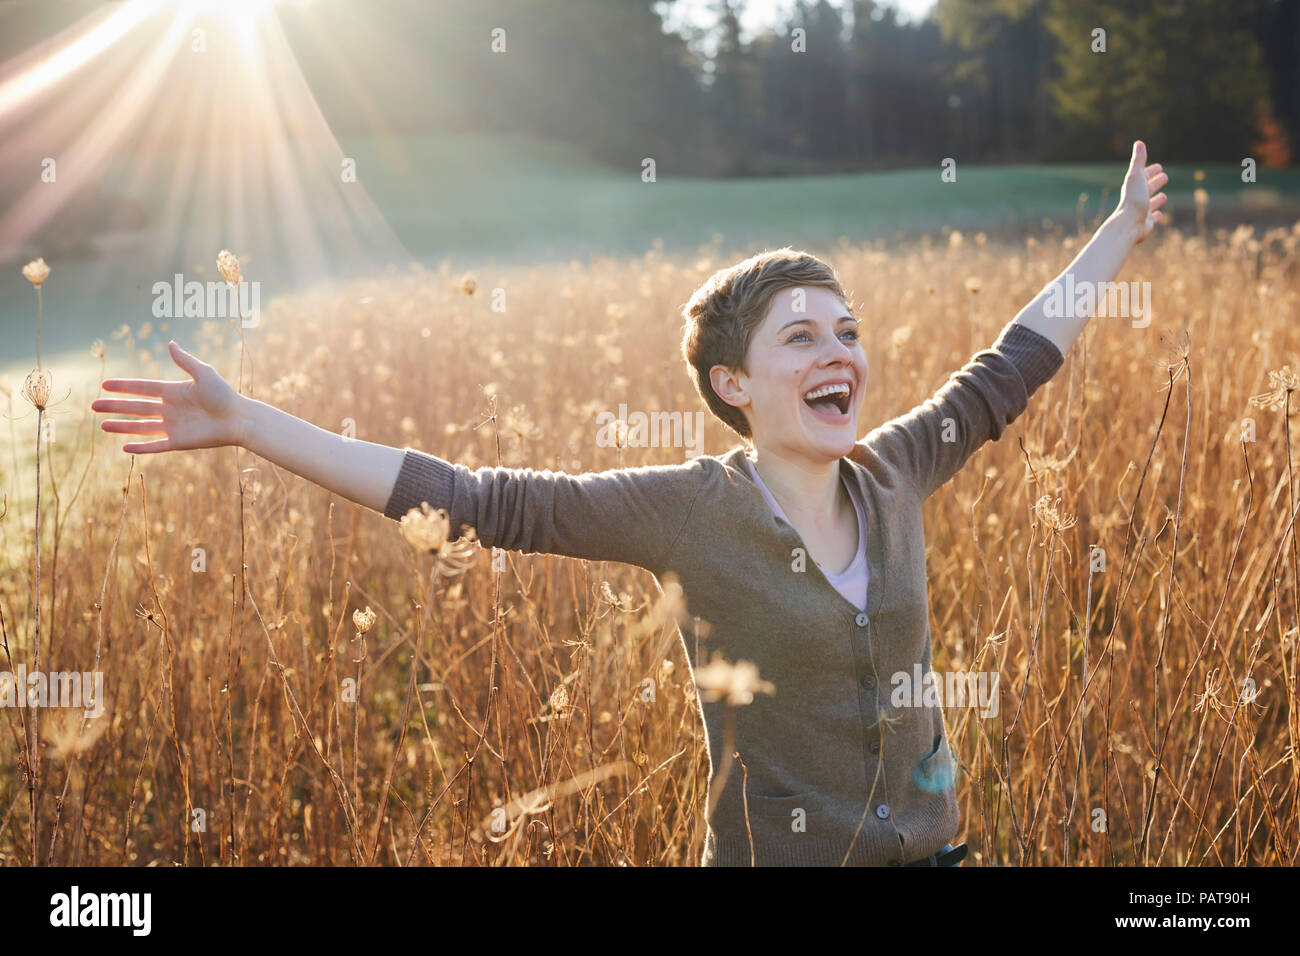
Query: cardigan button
(861,619)
(882,811)
(868,681)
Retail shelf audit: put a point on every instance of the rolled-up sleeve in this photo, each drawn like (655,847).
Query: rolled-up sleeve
(931,442)
(631,515)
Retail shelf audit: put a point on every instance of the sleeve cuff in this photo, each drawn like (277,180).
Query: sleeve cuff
(1034,355)
(422,477)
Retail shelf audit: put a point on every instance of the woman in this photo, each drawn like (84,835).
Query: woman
(806,558)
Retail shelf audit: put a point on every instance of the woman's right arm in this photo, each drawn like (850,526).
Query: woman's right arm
(631,515)
(208,413)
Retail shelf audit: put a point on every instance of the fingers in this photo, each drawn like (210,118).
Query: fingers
(138,386)
(1139,157)
(185,360)
(135,426)
(1156,181)
(122,406)
(1158,201)
(148,447)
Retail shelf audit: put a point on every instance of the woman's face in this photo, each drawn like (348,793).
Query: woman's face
(807,343)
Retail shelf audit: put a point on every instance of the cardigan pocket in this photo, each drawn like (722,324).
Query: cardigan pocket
(809,802)
(786,831)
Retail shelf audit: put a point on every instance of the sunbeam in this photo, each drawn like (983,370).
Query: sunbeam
(165,132)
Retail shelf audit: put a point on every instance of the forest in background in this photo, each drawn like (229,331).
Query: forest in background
(984,81)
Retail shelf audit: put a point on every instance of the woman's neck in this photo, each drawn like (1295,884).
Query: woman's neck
(811,491)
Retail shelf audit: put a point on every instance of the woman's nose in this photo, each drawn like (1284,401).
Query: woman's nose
(840,352)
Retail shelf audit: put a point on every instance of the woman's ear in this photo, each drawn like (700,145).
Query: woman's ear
(726,383)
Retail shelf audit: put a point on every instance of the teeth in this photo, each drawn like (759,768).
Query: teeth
(840,388)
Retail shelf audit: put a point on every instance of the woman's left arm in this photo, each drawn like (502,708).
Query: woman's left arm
(1099,261)
(934,440)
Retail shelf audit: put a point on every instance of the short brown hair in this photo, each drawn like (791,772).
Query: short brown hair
(723,314)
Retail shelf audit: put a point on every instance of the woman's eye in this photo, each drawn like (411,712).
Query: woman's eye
(795,337)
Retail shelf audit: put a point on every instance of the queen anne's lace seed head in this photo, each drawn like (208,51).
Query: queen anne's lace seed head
(735,683)
(425,528)
(228,266)
(429,530)
(1050,517)
(363,621)
(36,389)
(1281,384)
(36,272)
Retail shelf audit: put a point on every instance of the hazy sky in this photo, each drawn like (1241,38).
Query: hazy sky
(758,14)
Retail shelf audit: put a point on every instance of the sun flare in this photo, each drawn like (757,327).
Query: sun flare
(231,9)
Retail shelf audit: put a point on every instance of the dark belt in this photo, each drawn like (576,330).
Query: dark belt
(947,857)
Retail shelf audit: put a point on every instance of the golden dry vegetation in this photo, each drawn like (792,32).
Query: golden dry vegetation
(1124,691)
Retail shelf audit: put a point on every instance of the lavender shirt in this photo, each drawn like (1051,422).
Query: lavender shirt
(852,581)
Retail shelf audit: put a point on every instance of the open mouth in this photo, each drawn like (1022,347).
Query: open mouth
(830,402)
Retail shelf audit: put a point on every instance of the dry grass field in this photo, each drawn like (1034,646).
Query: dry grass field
(1148,710)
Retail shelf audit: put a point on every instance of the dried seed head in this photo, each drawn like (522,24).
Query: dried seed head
(36,272)
(1202,197)
(559,699)
(1179,346)
(1049,516)
(228,266)
(363,621)
(97,348)
(972,285)
(1281,384)
(521,424)
(1286,378)
(1213,695)
(36,389)
(468,285)
(70,734)
(429,531)
(425,528)
(889,720)
(735,683)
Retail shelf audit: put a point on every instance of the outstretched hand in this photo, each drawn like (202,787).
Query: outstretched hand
(202,413)
(1140,198)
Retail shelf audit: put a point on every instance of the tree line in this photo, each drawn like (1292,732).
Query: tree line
(850,87)
(831,88)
